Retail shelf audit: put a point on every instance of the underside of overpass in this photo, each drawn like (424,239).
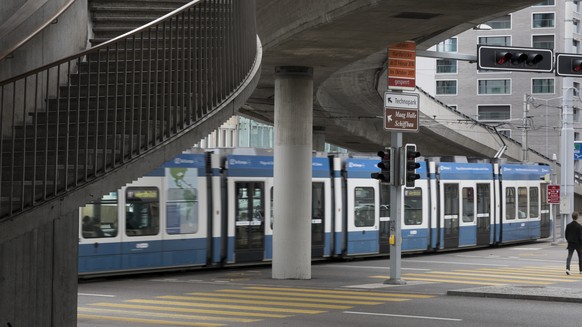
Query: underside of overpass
(346,44)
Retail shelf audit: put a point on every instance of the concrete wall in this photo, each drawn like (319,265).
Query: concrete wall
(68,35)
(38,275)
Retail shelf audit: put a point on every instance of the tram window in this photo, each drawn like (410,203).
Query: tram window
(364,207)
(258,208)
(182,201)
(510,203)
(468,204)
(317,211)
(483,199)
(142,211)
(413,206)
(451,200)
(522,202)
(99,218)
(534,202)
(384,200)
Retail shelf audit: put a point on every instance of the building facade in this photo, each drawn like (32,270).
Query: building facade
(526,106)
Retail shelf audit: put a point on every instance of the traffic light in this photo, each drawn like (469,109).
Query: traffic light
(387,167)
(410,165)
(515,59)
(569,65)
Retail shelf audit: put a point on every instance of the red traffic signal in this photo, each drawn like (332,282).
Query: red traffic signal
(569,65)
(515,58)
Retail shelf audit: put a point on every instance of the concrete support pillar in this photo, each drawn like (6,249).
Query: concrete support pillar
(292,173)
(319,138)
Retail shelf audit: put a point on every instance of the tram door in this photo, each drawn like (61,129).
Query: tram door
(545,213)
(483,214)
(451,215)
(317,220)
(384,236)
(250,221)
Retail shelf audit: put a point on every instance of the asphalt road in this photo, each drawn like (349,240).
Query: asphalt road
(348,293)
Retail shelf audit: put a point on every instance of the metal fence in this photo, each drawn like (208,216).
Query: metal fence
(70,122)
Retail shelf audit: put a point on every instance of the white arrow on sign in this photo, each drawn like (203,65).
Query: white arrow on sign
(401,100)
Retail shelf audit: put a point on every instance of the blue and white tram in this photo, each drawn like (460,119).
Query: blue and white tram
(249,197)
(157,221)
(525,210)
(216,208)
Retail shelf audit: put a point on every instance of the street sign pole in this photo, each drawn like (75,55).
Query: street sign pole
(395,219)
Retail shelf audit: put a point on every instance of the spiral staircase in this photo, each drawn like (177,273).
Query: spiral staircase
(159,75)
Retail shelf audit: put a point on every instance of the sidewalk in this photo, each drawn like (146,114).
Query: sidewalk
(539,293)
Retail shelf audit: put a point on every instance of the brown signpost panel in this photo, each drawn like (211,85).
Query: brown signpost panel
(402,66)
(403,120)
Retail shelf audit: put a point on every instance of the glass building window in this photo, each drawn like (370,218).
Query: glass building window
(505,132)
(495,40)
(448,45)
(500,86)
(499,23)
(542,41)
(542,85)
(493,112)
(446,66)
(543,20)
(448,87)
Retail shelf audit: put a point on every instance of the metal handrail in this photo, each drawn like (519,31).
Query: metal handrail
(6,52)
(68,123)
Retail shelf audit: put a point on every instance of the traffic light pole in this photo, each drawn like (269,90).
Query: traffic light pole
(396,214)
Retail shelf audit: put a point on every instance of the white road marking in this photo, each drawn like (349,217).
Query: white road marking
(97,295)
(401,316)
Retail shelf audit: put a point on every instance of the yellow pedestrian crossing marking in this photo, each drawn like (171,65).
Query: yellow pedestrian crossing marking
(531,275)
(205,311)
(164,315)
(245,305)
(288,299)
(224,306)
(282,303)
(148,321)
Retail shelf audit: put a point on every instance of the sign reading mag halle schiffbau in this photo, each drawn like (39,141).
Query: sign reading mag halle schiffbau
(401,111)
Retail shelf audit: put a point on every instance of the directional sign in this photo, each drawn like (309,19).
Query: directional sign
(401,111)
(401,100)
(402,66)
(553,194)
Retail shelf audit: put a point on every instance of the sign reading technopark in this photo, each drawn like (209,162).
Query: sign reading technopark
(401,111)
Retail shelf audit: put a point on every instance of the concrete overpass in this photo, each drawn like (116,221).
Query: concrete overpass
(344,41)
